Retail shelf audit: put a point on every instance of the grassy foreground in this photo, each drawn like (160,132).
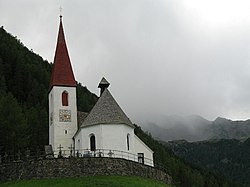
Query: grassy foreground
(108,181)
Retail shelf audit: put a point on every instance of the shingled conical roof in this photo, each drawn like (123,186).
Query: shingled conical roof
(106,111)
(62,73)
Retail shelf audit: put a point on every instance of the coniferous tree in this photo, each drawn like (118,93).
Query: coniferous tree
(13,123)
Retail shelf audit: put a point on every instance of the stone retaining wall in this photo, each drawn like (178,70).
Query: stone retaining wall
(78,167)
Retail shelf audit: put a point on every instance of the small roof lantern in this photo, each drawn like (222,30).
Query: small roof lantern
(103,85)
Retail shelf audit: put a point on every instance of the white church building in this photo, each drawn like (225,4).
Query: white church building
(105,132)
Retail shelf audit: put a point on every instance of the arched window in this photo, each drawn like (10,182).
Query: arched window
(128,141)
(65,101)
(92,142)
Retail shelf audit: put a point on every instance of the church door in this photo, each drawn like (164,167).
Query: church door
(92,143)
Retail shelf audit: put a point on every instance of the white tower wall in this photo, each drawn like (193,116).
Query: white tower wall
(62,119)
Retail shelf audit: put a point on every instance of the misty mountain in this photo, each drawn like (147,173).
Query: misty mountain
(196,128)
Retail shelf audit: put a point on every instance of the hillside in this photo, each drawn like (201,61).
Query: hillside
(24,83)
(184,175)
(24,80)
(226,157)
(196,128)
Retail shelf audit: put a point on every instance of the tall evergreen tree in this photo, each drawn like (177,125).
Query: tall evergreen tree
(13,124)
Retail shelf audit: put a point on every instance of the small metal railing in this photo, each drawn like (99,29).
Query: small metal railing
(27,155)
(108,153)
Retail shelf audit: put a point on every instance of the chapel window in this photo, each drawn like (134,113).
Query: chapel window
(92,143)
(128,141)
(65,96)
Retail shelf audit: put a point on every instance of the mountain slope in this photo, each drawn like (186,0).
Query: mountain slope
(184,175)
(227,129)
(227,157)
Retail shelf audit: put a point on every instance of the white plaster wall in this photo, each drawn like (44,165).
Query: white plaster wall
(57,129)
(78,141)
(86,132)
(141,147)
(115,137)
(108,136)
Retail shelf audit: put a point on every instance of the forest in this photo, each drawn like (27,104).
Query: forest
(229,157)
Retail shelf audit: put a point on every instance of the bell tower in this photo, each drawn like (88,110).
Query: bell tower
(62,97)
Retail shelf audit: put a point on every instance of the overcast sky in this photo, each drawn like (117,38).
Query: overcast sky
(162,57)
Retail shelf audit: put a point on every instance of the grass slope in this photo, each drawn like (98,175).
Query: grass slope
(109,181)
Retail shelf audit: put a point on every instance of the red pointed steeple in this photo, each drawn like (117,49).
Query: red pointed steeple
(62,73)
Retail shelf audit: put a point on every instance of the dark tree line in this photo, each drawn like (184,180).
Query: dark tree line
(229,157)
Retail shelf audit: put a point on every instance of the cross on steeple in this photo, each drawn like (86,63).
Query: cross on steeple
(60,11)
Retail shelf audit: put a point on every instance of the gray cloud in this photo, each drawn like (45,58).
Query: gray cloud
(161,57)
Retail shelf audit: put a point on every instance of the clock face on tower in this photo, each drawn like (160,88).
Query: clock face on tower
(65,115)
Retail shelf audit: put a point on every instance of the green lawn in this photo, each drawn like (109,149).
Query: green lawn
(101,181)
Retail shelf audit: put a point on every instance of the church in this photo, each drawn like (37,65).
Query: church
(104,132)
